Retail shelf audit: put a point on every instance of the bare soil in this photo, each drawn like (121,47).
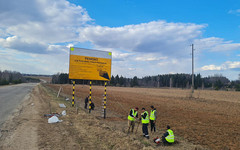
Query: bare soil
(28,129)
(207,118)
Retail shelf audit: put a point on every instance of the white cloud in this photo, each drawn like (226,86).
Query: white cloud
(70,45)
(153,37)
(131,69)
(212,67)
(118,56)
(174,62)
(227,47)
(29,47)
(50,63)
(163,63)
(40,22)
(150,58)
(228,65)
(19,44)
(233,65)
(235,12)
(215,44)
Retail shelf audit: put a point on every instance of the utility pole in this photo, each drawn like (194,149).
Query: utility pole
(192,68)
(170,83)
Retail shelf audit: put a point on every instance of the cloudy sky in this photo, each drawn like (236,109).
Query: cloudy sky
(146,37)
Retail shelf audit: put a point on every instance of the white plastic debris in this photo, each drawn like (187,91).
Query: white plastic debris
(32,104)
(54,119)
(64,113)
(62,106)
(67,99)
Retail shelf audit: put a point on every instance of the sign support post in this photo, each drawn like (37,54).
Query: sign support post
(105,100)
(73,84)
(90,96)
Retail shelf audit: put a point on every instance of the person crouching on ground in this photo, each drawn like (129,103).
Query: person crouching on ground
(145,122)
(168,137)
(92,105)
(133,115)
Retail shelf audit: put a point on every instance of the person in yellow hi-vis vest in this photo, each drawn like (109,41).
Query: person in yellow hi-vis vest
(145,122)
(168,137)
(132,118)
(153,117)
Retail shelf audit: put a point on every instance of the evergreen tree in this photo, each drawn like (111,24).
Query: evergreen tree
(218,85)
(116,80)
(134,81)
(112,81)
(198,81)
(121,81)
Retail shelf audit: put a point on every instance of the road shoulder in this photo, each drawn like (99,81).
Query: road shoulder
(20,130)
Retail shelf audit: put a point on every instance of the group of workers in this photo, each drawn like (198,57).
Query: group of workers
(167,138)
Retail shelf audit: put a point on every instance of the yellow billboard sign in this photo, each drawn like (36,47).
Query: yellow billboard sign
(90,64)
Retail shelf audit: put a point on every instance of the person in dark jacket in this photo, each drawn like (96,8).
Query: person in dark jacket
(86,102)
(92,105)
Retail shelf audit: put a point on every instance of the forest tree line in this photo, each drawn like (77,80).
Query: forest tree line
(10,77)
(183,81)
(13,77)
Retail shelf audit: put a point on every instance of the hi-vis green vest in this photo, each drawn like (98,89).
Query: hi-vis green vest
(134,113)
(170,137)
(152,115)
(146,120)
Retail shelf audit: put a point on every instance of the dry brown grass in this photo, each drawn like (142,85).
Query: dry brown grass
(210,118)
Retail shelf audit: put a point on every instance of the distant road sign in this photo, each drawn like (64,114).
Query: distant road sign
(89,64)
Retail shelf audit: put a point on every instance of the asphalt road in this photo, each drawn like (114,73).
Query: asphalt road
(10,98)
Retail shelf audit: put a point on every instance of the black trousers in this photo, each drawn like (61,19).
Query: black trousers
(165,142)
(153,127)
(85,105)
(145,129)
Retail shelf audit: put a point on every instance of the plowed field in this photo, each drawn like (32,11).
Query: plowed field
(210,118)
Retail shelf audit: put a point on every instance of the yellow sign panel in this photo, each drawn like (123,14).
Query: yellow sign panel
(89,68)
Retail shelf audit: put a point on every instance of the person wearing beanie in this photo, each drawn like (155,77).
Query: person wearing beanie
(133,115)
(168,137)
